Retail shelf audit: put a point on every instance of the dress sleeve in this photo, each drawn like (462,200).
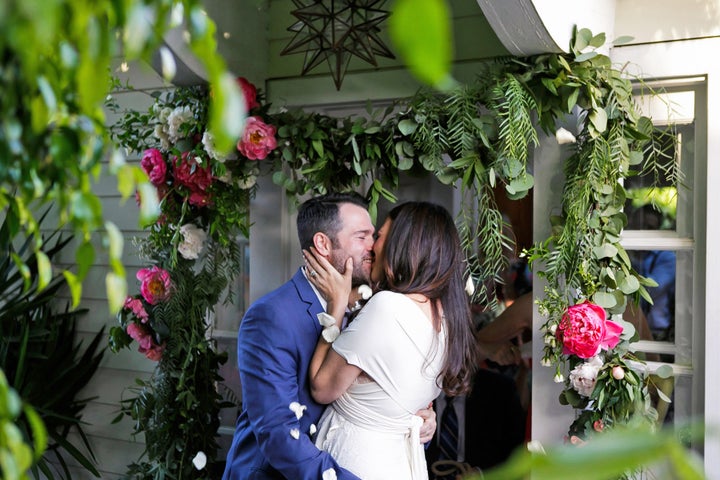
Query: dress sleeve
(370,334)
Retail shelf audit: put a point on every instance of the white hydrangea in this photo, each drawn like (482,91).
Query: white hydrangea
(160,132)
(193,241)
(584,376)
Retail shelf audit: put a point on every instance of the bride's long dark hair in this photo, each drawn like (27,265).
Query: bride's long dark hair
(423,255)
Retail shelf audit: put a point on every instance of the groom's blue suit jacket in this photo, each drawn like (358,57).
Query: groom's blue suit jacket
(276,341)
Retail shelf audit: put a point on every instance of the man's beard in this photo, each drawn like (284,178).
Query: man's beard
(359,276)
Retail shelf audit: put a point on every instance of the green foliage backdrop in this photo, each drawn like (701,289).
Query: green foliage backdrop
(55,60)
(474,137)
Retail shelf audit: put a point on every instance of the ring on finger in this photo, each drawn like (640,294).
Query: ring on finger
(313,273)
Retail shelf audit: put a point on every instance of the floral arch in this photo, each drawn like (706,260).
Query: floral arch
(487,129)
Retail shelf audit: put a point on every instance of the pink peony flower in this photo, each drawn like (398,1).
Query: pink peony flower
(258,139)
(249,92)
(584,330)
(191,175)
(146,344)
(141,335)
(136,306)
(154,165)
(154,352)
(199,199)
(155,284)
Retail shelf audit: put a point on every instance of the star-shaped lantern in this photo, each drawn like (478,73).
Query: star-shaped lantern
(334,30)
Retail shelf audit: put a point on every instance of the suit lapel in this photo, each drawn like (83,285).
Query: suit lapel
(308,297)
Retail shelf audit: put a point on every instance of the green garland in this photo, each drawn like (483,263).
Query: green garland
(478,136)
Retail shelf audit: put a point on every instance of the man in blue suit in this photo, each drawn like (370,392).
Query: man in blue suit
(276,341)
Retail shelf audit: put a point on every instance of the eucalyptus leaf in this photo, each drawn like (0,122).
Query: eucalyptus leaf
(598,40)
(604,299)
(598,118)
(635,158)
(606,250)
(582,39)
(586,56)
(405,163)
(629,285)
(623,39)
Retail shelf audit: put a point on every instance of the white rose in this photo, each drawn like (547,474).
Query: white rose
(164,114)
(584,376)
(247,182)
(178,117)
(193,241)
(226,177)
(563,136)
(209,145)
(160,133)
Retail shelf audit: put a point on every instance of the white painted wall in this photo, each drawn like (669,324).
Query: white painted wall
(667,20)
(559,18)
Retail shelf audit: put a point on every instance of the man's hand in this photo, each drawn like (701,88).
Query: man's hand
(427,430)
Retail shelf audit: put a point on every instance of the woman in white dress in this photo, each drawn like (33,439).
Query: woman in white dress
(411,340)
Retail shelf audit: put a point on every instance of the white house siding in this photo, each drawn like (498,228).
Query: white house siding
(112,444)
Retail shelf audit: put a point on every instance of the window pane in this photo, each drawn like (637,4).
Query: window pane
(660,266)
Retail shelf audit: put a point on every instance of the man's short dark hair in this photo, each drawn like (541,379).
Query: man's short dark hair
(321,214)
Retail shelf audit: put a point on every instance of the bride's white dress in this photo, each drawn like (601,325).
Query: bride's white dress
(372,429)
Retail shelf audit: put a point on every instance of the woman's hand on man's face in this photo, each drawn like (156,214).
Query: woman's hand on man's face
(332,285)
